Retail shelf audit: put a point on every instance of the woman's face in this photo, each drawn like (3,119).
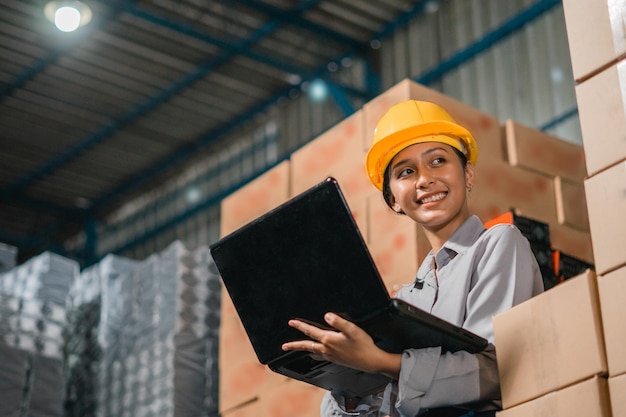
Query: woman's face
(428,183)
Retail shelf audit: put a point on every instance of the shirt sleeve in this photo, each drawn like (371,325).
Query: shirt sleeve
(505,273)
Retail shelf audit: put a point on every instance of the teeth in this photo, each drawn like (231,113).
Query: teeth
(435,197)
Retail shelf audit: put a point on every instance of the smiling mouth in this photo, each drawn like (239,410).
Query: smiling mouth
(432,198)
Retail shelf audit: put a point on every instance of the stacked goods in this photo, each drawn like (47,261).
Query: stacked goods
(196,301)
(561,353)
(82,352)
(33,299)
(599,63)
(612,288)
(599,67)
(158,325)
(538,174)
(549,344)
(8,257)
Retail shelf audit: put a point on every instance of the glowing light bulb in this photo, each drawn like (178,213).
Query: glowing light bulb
(68,15)
(318,91)
(67,19)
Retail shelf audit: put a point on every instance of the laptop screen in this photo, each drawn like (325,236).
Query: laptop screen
(300,260)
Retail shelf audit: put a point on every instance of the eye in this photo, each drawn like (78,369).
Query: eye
(404,172)
(438,161)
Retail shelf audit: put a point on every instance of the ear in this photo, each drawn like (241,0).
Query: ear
(393,204)
(470,175)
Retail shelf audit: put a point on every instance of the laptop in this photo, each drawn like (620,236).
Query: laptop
(307,257)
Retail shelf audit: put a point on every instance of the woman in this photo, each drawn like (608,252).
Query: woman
(423,162)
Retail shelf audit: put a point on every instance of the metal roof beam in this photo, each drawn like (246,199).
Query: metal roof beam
(404,19)
(573,112)
(210,39)
(294,18)
(341,98)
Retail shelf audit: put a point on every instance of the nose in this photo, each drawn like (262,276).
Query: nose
(424,179)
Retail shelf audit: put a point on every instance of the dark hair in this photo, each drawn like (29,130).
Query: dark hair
(387,195)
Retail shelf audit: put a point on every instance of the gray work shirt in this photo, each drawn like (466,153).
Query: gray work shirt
(477,274)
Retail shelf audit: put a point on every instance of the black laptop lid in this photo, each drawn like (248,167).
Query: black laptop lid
(270,275)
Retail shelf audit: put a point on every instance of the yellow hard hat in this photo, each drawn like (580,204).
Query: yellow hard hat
(411,122)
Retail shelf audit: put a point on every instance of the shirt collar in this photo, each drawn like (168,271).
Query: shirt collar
(460,241)
(465,236)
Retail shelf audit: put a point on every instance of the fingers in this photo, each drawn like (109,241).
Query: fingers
(318,335)
(304,345)
(315,348)
(338,322)
(310,330)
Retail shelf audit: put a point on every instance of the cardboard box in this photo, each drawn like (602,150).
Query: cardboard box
(612,288)
(256,198)
(550,341)
(247,409)
(289,398)
(338,152)
(242,376)
(606,203)
(572,241)
(499,187)
(617,388)
(571,204)
(538,151)
(601,110)
(596,34)
(585,399)
(397,244)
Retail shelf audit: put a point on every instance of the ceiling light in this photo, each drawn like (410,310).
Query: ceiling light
(317,91)
(193,195)
(68,15)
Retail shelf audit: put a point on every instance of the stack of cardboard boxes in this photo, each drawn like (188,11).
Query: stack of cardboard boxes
(551,355)
(518,167)
(562,353)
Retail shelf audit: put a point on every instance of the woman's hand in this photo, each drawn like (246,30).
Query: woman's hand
(349,346)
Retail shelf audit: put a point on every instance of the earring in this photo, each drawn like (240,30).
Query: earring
(469,188)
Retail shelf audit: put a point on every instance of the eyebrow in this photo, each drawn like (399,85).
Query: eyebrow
(425,153)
